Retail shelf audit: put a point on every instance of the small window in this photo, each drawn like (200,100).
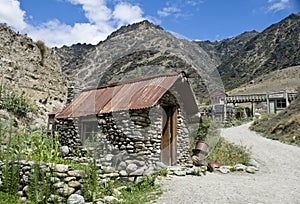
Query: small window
(281,103)
(88,130)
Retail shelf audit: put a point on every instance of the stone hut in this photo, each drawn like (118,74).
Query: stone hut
(145,117)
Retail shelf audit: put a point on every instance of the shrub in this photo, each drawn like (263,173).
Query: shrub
(142,192)
(229,154)
(42,47)
(39,185)
(6,198)
(18,104)
(162,172)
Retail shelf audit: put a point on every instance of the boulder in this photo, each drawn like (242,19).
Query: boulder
(75,199)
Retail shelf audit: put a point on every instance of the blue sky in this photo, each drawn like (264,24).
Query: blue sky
(66,22)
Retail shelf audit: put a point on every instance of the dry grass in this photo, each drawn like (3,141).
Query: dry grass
(285,79)
(284,127)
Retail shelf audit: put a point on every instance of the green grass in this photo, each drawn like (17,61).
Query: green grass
(6,198)
(229,154)
(142,192)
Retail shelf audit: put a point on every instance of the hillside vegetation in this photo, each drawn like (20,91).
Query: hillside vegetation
(279,80)
(32,70)
(284,127)
(275,48)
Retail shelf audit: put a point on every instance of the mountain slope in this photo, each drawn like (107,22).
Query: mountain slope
(33,69)
(144,49)
(69,56)
(223,50)
(278,80)
(276,47)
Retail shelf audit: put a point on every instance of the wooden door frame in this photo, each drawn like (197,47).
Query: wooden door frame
(169,135)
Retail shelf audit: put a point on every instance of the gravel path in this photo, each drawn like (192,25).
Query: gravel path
(277,181)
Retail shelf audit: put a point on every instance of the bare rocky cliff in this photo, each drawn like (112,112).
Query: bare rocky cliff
(33,69)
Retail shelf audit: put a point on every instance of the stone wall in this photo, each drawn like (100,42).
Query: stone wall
(126,135)
(68,131)
(137,133)
(62,181)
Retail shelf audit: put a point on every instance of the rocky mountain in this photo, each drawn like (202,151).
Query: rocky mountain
(144,49)
(70,56)
(223,50)
(276,47)
(33,69)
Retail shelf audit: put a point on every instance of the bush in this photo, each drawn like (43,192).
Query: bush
(142,192)
(229,154)
(42,47)
(6,198)
(18,104)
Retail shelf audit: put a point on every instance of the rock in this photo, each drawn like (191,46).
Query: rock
(55,199)
(20,193)
(108,169)
(138,172)
(76,173)
(149,171)
(122,165)
(160,165)
(60,175)
(175,168)
(67,179)
(140,163)
(109,157)
(117,192)
(251,169)
(180,173)
(110,199)
(257,115)
(64,150)
(74,184)
(59,185)
(240,167)
(75,199)
(26,190)
(254,163)
(123,173)
(131,168)
(61,168)
(66,190)
(224,169)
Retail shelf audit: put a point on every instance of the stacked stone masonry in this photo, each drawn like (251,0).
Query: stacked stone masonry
(133,133)
(64,180)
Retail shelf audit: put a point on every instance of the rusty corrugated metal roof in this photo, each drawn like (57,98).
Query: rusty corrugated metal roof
(139,93)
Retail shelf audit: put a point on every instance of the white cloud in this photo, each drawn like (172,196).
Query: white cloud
(277,5)
(167,11)
(102,20)
(11,14)
(55,33)
(95,11)
(194,2)
(126,13)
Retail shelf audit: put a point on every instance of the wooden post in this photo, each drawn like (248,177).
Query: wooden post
(174,136)
(165,137)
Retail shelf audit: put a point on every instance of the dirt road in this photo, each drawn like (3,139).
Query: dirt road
(277,181)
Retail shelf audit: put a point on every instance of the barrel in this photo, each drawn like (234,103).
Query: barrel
(201,150)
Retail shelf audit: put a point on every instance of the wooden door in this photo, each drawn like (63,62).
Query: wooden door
(169,136)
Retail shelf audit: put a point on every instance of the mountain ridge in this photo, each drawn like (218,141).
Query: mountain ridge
(276,47)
